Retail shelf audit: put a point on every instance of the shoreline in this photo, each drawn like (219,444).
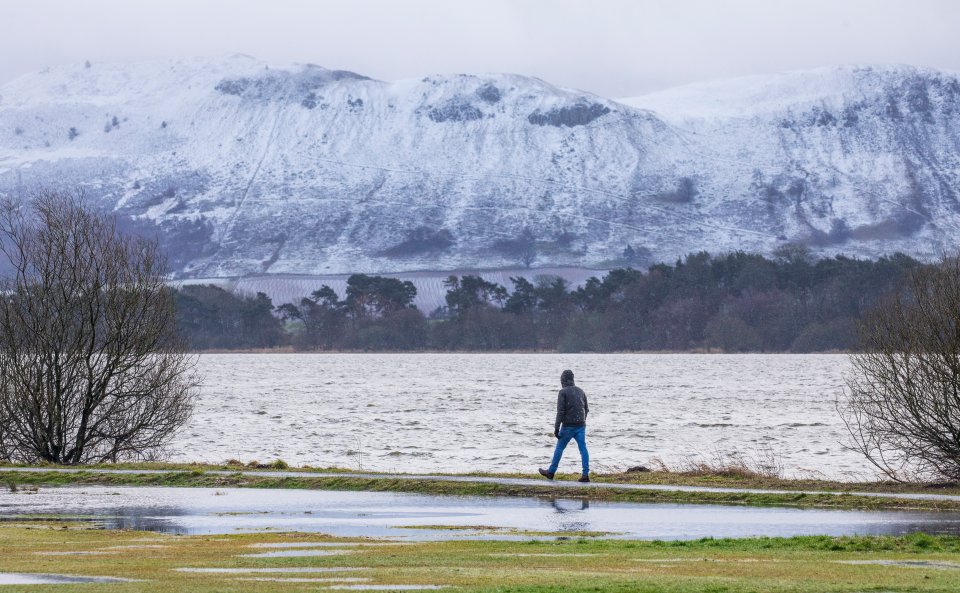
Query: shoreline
(698,351)
(645,487)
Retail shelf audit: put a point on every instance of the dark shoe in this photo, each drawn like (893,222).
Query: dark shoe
(584,478)
(546,474)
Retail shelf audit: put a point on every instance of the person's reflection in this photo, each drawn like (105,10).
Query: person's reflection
(559,506)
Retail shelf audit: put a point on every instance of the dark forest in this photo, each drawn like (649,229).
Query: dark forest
(736,302)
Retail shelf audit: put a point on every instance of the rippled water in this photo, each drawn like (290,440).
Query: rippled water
(494,412)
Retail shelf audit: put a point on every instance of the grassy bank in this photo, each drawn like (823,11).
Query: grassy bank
(717,478)
(242,477)
(797,565)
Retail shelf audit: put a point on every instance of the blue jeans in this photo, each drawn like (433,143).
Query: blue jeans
(579,434)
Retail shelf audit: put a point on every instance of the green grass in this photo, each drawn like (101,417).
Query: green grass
(492,530)
(198,476)
(723,479)
(794,565)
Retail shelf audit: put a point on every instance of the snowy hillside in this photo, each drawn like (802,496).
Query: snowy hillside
(246,168)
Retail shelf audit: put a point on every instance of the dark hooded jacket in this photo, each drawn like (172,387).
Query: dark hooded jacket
(572,405)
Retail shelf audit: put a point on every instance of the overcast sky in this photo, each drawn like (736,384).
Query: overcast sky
(615,48)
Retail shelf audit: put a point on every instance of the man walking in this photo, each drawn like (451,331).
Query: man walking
(571,423)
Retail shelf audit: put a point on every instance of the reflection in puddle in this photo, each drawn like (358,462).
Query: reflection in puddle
(569,506)
(324,544)
(286,569)
(387,515)
(906,563)
(75,553)
(387,587)
(306,580)
(520,555)
(27,578)
(296,553)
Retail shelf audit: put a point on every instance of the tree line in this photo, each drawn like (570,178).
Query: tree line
(736,302)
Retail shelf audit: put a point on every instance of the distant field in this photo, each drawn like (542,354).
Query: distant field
(288,288)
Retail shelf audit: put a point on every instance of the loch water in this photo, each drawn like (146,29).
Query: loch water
(494,412)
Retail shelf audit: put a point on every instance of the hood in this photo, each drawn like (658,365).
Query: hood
(566,378)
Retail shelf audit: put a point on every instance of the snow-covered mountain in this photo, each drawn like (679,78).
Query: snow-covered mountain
(247,168)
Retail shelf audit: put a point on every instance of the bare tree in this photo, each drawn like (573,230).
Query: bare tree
(902,403)
(91,367)
(527,244)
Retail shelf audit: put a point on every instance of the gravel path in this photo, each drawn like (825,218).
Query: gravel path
(495,480)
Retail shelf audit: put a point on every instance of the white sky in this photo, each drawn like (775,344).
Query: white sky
(614,48)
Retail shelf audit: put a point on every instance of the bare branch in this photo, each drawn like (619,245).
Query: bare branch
(902,402)
(92,368)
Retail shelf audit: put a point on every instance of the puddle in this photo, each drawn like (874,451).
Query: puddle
(323,544)
(289,569)
(542,555)
(301,553)
(404,517)
(720,560)
(387,587)
(906,563)
(75,553)
(137,547)
(659,560)
(27,578)
(306,580)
